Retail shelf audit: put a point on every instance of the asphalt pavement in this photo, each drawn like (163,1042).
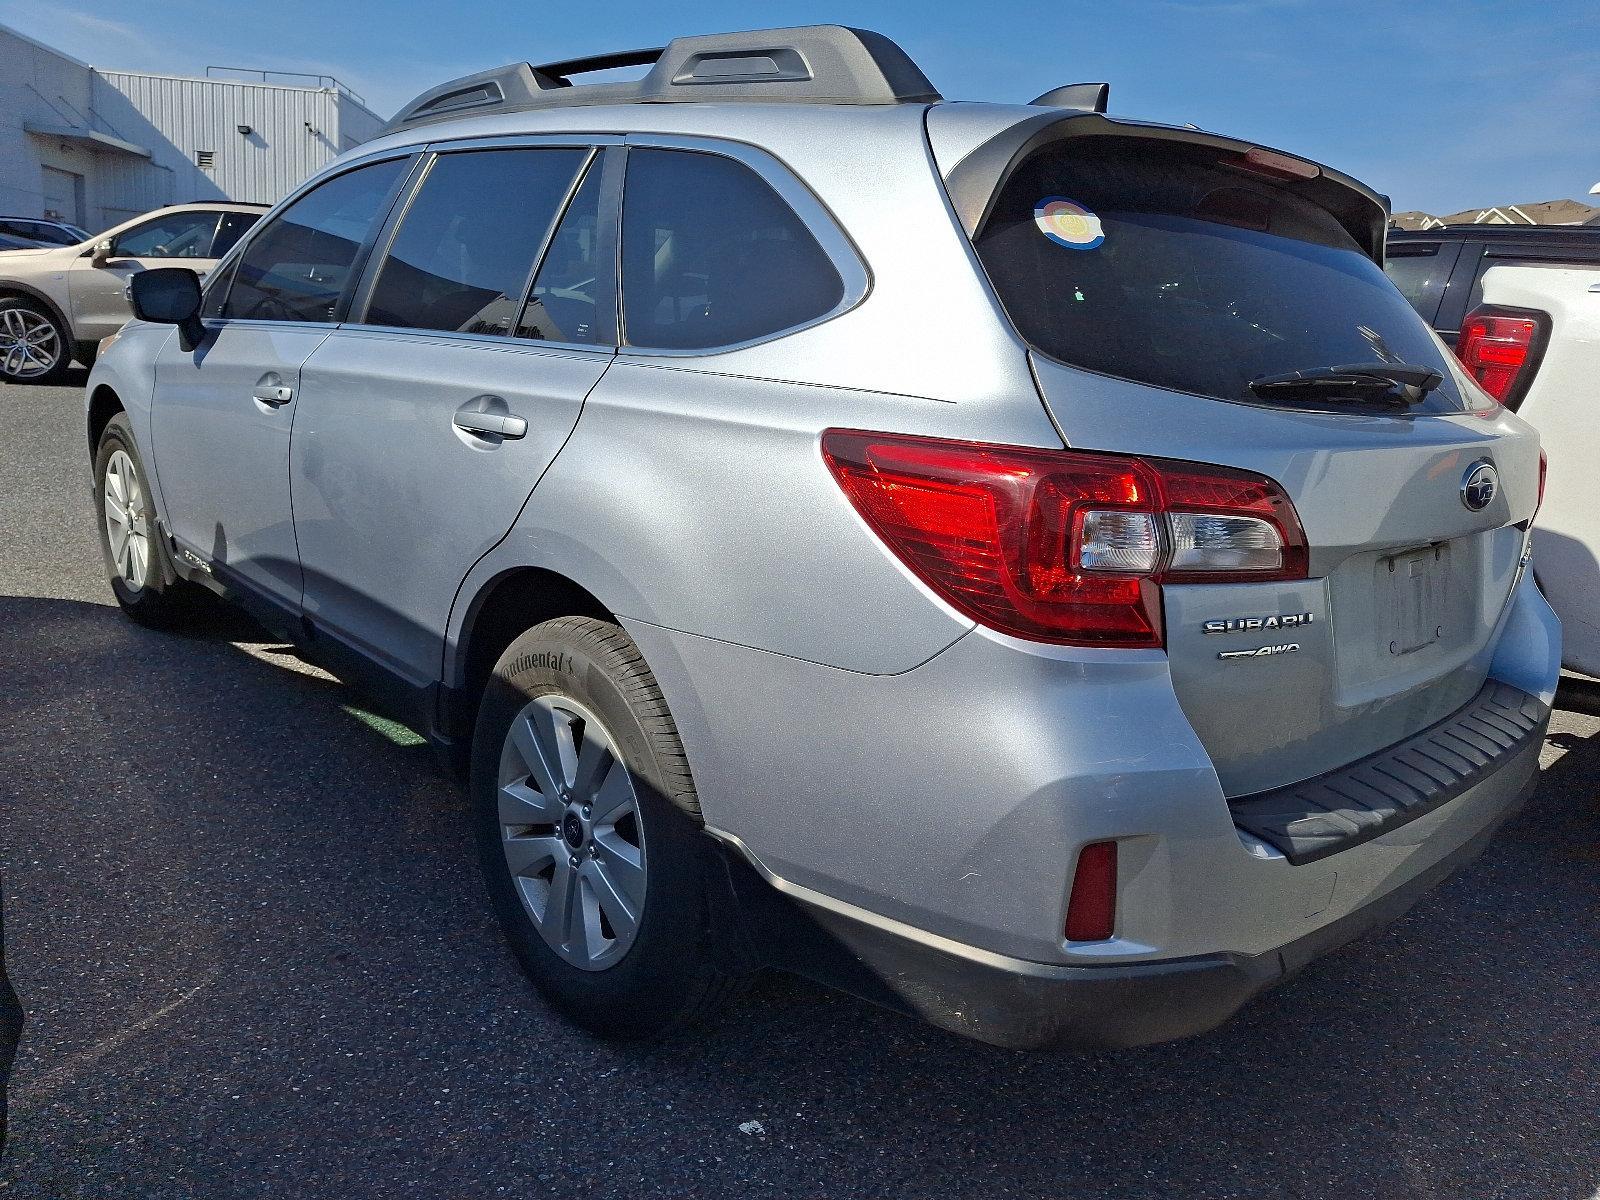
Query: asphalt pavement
(245,922)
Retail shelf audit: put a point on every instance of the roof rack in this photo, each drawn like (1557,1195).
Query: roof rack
(816,64)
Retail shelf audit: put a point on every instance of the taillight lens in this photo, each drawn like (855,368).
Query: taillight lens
(1497,351)
(1063,545)
(1092,903)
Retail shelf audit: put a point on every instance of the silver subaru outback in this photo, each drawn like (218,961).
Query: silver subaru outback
(1027,567)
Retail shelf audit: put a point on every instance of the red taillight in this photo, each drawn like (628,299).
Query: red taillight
(1062,545)
(1496,349)
(1092,904)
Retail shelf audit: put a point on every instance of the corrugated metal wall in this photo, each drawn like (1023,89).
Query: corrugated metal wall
(293,131)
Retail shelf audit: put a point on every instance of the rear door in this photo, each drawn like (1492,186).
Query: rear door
(1155,280)
(424,422)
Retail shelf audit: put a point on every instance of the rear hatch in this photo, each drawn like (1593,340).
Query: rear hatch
(1157,274)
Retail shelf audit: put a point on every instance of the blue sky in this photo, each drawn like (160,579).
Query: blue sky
(1443,106)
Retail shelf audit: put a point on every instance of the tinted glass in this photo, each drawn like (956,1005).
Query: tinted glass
(1169,267)
(176,235)
(1416,274)
(573,281)
(230,230)
(712,256)
(461,259)
(38,231)
(297,267)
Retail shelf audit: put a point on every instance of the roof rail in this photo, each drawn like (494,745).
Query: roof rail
(816,64)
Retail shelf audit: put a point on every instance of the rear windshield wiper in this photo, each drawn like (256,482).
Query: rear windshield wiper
(1382,383)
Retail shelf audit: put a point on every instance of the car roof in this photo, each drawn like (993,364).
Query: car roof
(205,205)
(1587,234)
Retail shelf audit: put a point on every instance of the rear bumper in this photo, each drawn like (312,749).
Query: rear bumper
(1028,1005)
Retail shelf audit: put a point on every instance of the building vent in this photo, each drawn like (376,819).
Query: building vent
(203,159)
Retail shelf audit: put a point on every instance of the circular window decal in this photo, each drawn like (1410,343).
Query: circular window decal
(1068,223)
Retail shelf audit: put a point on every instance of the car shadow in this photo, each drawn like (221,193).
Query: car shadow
(75,377)
(245,921)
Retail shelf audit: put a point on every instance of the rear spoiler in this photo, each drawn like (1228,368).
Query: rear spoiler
(975,183)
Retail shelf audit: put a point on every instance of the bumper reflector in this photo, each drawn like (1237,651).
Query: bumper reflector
(1092,906)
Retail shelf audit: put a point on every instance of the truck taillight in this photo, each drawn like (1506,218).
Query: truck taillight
(1064,546)
(1500,349)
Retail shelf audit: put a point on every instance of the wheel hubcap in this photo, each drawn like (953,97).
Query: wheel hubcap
(127,520)
(571,832)
(29,344)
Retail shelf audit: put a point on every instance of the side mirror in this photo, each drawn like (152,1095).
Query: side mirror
(101,254)
(170,296)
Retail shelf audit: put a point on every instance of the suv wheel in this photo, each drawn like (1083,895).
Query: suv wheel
(33,346)
(590,834)
(142,576)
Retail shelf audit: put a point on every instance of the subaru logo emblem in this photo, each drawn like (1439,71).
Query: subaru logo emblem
(1480,485)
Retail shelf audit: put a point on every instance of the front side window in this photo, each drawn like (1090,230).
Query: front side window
(712,256)
(462,255)
(176,235)
(297,267)
(1167,264)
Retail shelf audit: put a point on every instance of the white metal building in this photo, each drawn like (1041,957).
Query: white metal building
(95,147)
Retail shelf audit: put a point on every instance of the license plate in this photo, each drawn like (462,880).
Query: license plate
(1417,581)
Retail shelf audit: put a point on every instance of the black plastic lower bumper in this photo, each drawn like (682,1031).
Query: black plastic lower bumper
(1025,1005)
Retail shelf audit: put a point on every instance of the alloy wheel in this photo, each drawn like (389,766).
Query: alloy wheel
(571,831)
(127,520)
(29,344)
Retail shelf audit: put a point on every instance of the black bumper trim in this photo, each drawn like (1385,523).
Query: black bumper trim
(1088,1008)
(1321,816)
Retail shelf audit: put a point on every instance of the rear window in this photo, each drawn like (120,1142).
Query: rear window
(1161,264)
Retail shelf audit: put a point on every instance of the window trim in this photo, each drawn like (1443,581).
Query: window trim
(225,267)
(812,213)
(596,158)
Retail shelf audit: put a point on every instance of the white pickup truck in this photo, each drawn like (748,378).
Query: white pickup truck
(1535,343)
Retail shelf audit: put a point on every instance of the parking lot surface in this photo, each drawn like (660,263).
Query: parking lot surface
(244,918)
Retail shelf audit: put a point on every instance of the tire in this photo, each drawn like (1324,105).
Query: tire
(660,974)
(34,346)
(148,587)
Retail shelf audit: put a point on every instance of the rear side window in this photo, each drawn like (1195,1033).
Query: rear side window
(1420,270)
(230,229)
(464,250)
(1161,264)
(576,280)
(712,256)
(297,267)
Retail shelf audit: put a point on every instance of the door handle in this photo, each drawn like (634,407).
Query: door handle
(491,424)
(274,395)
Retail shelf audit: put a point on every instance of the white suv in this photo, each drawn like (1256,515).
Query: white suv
(57,302)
